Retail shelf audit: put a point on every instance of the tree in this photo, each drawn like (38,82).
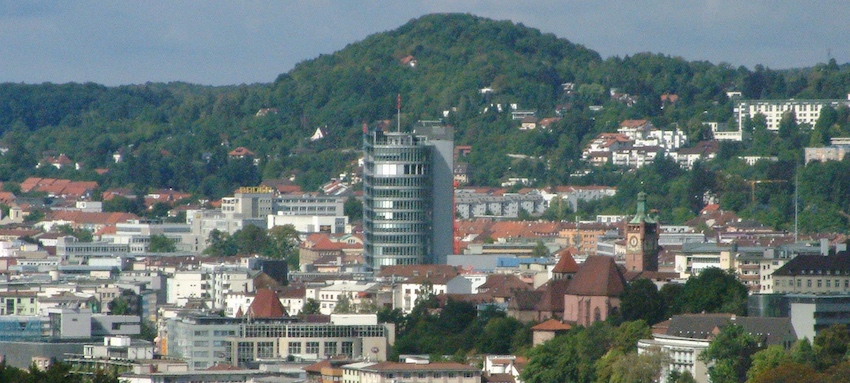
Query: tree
(680,377)
(162,244)
(497,337)
(540,250)
(639,368)
(220,244)
(789,373)
(283,244)
(831,346)
(80,234)
(343,305)
(768,359)
(641,300)
(627,335)
(311,306)
(730,353)
(715,290)
(353,209)
(251,239)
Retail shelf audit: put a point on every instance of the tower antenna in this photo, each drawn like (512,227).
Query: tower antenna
(398,108)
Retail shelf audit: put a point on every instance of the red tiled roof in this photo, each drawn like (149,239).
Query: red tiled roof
(266,305)
(503,285)
(633,123)
(566,263)
(597,276)
(552,325)
(81,217)
(240,152)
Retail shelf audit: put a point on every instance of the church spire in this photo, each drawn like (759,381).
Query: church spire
(640,213)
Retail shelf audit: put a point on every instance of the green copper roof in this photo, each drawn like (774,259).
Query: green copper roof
(640,214)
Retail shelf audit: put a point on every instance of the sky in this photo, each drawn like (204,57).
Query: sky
(242,42)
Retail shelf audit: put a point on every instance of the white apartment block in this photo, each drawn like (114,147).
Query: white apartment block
(470,204)
(226,280)
(136,234)
(328,295)
(187,284)
(806,111)
(838,148)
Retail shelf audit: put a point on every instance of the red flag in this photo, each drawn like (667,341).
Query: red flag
(399,102)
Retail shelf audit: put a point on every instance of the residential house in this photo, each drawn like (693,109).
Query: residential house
(548,330)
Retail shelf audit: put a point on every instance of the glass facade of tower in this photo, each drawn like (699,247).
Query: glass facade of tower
(397,199)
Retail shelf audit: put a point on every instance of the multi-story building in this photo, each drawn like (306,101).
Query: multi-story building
(408,213)
(188,284)
(71,250)
(18,303)
(136,234)
(389,372)
(584,236)
(812,313)
(814,274)
(225,279)
(836,151)
(328,295)
(470,204)
(198,338)
(309,341)
(687,336)
(805,111)
(249,204)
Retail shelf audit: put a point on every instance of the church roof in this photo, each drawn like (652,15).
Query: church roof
(566,263)
(597,276)
(266,305)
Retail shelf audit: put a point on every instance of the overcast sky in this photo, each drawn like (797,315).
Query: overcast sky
(235,42)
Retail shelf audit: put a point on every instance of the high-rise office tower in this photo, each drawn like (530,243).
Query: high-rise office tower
(408,214)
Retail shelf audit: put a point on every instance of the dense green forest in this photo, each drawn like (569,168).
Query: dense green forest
(177,135)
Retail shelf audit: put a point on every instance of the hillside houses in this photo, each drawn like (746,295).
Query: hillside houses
(638,143)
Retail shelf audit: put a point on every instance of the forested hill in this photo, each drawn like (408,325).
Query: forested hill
(455,56)
(178,135)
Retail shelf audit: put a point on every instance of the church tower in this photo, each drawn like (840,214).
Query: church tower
(642,239)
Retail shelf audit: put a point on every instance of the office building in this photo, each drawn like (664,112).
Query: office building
(408,214)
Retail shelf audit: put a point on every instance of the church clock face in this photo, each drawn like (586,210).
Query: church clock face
(633,242)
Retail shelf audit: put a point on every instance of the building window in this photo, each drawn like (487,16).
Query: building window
(294,348)
(265,350)
(245,350)
(348,349)
(820,283)
(313,348)
(808,283)
(330,348)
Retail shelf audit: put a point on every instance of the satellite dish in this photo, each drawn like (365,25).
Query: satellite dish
(374,350)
